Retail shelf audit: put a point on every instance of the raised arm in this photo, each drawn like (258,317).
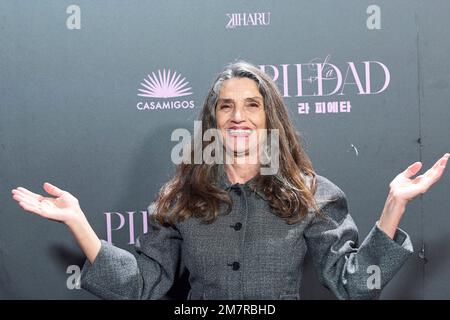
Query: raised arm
(111,272)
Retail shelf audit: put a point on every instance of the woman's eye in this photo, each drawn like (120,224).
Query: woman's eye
(225,106)
(254,105)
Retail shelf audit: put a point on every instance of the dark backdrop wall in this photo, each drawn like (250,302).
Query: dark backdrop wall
(71,114)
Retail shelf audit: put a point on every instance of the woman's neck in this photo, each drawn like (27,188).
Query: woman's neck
(241,173)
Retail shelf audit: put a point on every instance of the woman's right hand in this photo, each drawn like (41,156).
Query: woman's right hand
(64,208)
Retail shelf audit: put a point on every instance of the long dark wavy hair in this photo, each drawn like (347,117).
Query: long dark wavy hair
(194,190)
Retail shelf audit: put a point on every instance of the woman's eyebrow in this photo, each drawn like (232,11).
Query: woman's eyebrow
(229,100)
(254,99)
(225,100)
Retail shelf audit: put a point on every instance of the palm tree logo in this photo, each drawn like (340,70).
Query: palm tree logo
(164,85)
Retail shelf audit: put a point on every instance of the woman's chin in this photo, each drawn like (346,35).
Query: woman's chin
(240,152)
(237,147)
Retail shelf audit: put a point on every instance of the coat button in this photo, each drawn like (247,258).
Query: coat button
(236,189)
(237,226)
(235,265)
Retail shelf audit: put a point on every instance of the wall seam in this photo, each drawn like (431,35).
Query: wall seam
(422,252)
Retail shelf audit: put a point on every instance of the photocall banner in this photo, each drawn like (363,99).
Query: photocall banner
(90,92)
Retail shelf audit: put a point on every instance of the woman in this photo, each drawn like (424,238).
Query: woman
(242,234)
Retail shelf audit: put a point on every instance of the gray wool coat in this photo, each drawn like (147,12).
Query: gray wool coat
(251,253)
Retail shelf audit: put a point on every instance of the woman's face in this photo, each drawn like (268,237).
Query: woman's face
(240,115)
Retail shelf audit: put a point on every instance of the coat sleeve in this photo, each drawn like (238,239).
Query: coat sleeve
(118,274)
(348,270)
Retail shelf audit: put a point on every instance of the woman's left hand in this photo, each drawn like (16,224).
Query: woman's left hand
(404,188)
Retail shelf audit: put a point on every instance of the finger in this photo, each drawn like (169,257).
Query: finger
(53,190)
(441,160)
(31,208)
(28,202)
(27,195)
(28,192)
(27,199)
(438,168)
(434,174)
(412,169)
(444,159)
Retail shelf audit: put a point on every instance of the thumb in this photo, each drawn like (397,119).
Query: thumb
(53,190)
(412,169)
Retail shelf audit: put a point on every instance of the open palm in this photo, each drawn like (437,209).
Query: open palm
(406,188)
(62,208)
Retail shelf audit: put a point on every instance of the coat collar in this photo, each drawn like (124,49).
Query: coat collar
(226,185)
(250,185)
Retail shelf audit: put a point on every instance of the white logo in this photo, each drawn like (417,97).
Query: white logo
(247,19)
(164,85)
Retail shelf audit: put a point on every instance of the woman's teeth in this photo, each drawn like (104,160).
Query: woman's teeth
(239,132)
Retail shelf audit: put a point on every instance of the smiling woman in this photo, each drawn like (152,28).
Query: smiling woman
(241,234)
(242,103)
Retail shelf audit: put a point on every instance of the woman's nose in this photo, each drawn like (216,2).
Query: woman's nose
(237,114)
